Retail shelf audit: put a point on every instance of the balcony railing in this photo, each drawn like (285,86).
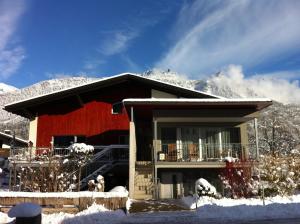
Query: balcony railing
(186,152)
(117,152)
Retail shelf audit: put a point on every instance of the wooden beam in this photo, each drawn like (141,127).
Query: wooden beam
(28,113)
(79,99)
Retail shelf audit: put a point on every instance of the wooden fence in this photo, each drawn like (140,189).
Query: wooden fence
(52,202)
(4,152)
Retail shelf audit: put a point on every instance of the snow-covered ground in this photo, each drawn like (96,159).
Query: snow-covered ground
(246,209)
(208,209)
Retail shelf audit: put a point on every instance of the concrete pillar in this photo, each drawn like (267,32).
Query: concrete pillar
(256,138)
(132,158)
(33,130)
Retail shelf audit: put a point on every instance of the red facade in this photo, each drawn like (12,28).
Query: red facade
(88,115)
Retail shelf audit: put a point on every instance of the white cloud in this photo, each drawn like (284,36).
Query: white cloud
(117,42)
(93,64)
(209,35)
(11,55)
(272,86)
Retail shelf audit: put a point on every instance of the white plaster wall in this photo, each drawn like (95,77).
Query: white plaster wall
(33,130)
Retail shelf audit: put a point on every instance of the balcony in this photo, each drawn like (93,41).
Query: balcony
(191,152)
(39,154)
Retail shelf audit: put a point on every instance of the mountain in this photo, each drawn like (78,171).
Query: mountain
(279,118)
(6,88)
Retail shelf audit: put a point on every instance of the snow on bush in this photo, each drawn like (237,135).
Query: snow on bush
(99,186)
(204,188)
(238,180)
(81,148)
(230,159)
(280,174)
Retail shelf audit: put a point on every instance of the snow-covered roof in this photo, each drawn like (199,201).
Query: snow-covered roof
(19,107)
(259,103)
(11,137)
(107,79)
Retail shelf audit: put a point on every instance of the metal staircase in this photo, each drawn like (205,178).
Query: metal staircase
(103,161)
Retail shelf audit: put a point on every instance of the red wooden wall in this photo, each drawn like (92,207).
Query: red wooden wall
(94,119)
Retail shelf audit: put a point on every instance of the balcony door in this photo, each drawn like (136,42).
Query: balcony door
(190,143)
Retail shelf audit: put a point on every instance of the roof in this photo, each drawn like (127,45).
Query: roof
(11,137)
(258,103)
(105,82)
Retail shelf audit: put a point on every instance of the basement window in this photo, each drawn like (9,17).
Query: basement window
(117,108)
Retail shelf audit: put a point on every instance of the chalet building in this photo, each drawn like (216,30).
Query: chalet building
(7,139)
(173,135)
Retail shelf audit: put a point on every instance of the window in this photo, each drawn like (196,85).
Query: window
(117,108)
(67,140)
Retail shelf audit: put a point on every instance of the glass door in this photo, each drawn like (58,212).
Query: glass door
(190,143)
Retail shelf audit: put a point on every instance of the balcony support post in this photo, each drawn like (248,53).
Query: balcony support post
(155,158)
(256,138)
(132,154)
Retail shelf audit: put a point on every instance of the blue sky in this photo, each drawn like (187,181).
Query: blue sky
(57,38)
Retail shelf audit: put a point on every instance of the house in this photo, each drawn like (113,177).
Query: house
(175,135)
(7,140)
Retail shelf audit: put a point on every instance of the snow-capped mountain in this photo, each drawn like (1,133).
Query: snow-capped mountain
(220,84)
(6,88)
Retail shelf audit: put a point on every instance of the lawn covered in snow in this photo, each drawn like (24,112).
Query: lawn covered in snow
(245,209)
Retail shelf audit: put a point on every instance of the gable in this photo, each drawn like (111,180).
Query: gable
(26,108)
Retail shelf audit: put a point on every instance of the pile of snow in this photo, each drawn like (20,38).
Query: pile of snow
(81,148)
(230,159)
(5,219)
(205,188)
(119,189)
(93,214)
(245,209)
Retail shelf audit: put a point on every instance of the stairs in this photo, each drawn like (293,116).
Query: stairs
(103,161)
(143,188)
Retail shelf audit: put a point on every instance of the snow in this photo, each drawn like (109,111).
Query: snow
(185,100)
(105,79)
(4,88)
(25,210)
(81,148)
(93,214)
(228,202)
(65,161)
(209,209)
(204,187)
(230,159)
(100,179)
(260,103)
(119,189)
